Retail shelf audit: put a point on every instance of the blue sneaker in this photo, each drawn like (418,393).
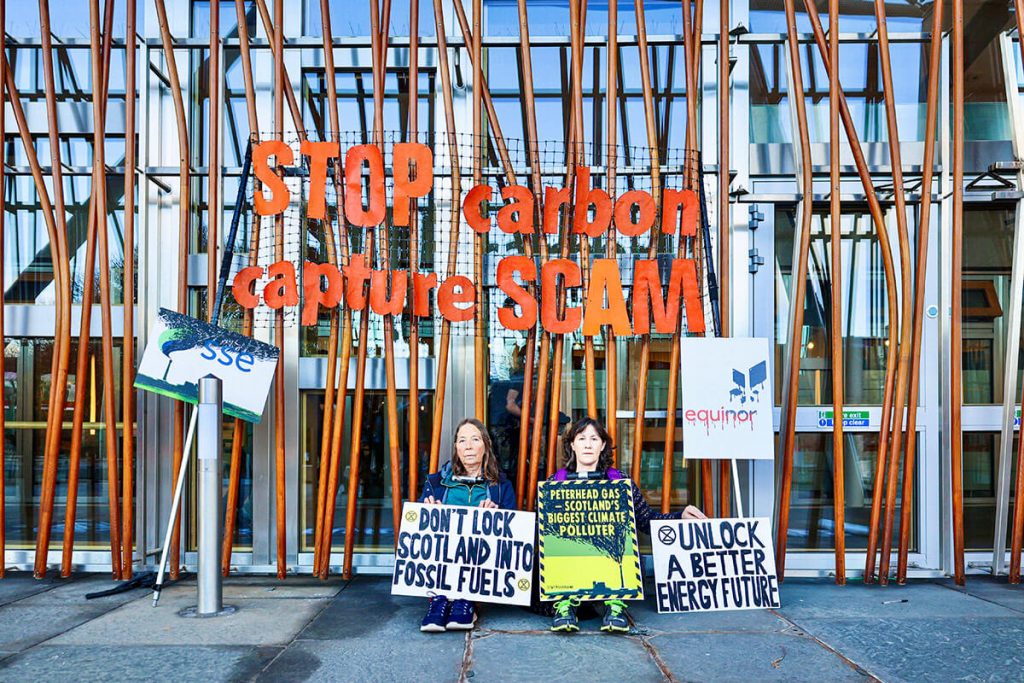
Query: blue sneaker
(462,616)
(615,619)
(437,615)
(564,619)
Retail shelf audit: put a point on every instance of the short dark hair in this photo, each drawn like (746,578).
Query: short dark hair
(605,460)
(489,467)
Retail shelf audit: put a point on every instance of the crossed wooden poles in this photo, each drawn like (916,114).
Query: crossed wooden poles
(543,357)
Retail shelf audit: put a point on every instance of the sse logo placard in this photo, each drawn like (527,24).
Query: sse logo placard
(182,350)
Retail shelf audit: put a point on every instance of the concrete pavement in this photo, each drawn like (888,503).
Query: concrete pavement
(302,629)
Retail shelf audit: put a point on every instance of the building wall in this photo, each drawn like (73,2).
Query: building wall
(763,213)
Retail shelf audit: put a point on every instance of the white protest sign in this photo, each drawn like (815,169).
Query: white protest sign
(726,398)
(182,350)
(473,553)
(712,565)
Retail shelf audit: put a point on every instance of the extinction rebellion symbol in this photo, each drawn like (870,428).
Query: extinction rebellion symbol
(667,535)
(410,516)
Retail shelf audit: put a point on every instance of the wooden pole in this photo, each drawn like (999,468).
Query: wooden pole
(413,438)
(326,433)
(453,236)
(213,176)
(956,312)
(691,46)
(391,394)
(875,209)
(494,131)
(107,344)
(529,352)
(62,337)
(59,275)
(652,252)
(1017,535)
(479,147)
(906,312)
(184,209)
(835,212)
(60,278)
(724,217)
(920,282)
(526,496)
(128,287)
(577,22)
(280,491)
(611,252)
(1017,539)
(795,90)
(327,526)
(589,355)
(239,427)
(82,351)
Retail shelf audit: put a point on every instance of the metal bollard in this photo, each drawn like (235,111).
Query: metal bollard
(209,510)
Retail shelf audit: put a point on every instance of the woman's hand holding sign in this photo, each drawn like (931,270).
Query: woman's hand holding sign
(489,504)
(693,513)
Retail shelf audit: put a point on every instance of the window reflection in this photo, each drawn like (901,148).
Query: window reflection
(987,261)
(860,76)
(981,458)
(812,519)
(374,532)
(865,310)
(26,394)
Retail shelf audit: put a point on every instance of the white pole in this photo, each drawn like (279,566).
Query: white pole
(175,503)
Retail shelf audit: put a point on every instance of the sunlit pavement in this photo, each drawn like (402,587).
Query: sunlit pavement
(302,629)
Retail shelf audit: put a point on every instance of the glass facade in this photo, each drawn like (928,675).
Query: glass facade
(763,184)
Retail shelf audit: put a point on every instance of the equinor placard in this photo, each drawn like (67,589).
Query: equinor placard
(473,553)
(726,398)
(710,565)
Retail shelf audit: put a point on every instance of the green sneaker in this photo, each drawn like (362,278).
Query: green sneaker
(564,620)
(615,620)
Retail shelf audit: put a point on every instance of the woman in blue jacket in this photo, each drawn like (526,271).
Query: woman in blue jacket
(471,478)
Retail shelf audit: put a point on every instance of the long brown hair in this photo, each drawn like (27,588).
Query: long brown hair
(604,461)
(489,467)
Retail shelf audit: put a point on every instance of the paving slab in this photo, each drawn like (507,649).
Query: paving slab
(72,591)
(745,657)
(995,590)
(136,663)
(511,618)
(22,626)
(20,585)
(257,622)
(413,656)
(646,617)
(802,599)
(954,648)
(251,588)
(591,657)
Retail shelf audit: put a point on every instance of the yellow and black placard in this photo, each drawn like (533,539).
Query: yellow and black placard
(588,547)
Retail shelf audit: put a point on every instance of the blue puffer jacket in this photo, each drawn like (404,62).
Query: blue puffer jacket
(501,492)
